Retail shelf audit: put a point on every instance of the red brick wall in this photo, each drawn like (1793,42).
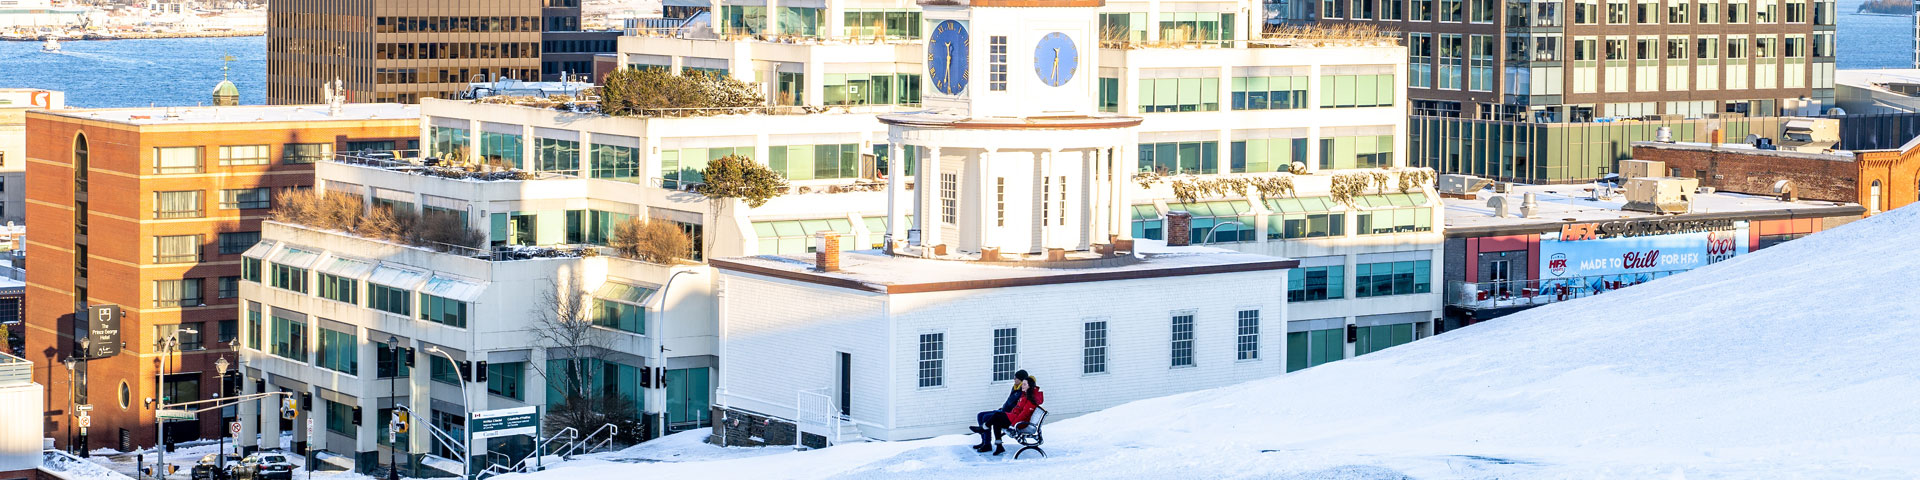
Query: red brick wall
(1752,172)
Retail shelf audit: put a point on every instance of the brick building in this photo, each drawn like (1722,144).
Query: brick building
(1879,180)
(182,192)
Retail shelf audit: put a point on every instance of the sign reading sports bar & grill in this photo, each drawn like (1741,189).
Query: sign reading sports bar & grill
(504,422)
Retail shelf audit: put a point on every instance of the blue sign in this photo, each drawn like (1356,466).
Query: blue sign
(1608,263)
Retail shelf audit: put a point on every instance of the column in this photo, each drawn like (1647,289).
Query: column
(420,440)
(1041,188)
(249,416)
(269,420)
(987,233)
(773,18)
(896,186)
(299,440)
(930,214)
(1127,158)
(317,413)
(1096,222)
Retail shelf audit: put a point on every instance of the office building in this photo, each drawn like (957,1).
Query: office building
(398,51)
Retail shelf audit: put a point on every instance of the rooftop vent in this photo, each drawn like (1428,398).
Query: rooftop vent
(1661,194)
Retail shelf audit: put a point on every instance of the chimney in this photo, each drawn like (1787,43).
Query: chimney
(1179,228)
(990,254)
(826,255)
(1717,137)
(1528,205)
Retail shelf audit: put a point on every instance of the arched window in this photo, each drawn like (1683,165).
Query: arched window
(1873,198)
(80,157)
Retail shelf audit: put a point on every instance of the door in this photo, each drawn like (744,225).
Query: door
(1497,277)
(846,383)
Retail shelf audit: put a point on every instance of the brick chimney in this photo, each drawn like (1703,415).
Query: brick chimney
(1179,228)
(826,255)
(1719,136)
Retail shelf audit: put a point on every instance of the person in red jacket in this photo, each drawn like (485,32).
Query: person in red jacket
(1021,402)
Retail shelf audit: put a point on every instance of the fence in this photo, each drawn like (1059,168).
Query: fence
(1520,293)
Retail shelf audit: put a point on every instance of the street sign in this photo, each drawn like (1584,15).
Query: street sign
(83,421)
(175,414)
(505,422)
(233,428)
(310,431)
(84,407)
(103,331)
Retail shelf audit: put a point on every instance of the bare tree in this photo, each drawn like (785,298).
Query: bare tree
(578,353)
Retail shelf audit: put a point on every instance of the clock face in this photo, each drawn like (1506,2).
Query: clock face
(1055,59)
(947,57)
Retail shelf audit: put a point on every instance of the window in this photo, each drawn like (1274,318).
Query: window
(1259,155)
(1109,94)
(1000,201)
(1376,338)
(235,243)
(1452,54)
(561,156)
(1737,11)
(686,166)
(176,249)
(1708,12)
(617,163)
(1309,217)
(289,338)
(1677,12)
(389,299)
(1199,27)
(1006,352)
(815,162)
(169,160)
(306,152)
(797,236)
(1479,63)
(444,311)
(1617,12)
(1355,151)
(1765,12)
(1093,348)
(505,379)
(338,352)
(1147,223)
(177,293)
(1312,348)
(1420,60)
(184,204)
(1306,284)
(1247,342)
(1270,92)
(290,278)
(189,335)
(1450,11)
(1391,220)
(339,289)
(890,23)
(229,287)
(620,316)
(997,63)
(1873,198)
(1349,91)
(1182,344)
(229,331)
(1422,11)
(245,198)
(932,359)
(1392,10)
(949,198)
(1046,204)
(1586,12)
(244,155)
(1647,12)
(340,419)
(1062,211)
(1226,221)
(442,370)
(1179,94)
(254,326)
(871,89)
(1196,158)
(180,387)
(1391,278)
(389,363)
(250,269)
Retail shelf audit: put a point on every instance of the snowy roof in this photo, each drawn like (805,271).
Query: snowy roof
(877,271)
(243,114)
(1574,203)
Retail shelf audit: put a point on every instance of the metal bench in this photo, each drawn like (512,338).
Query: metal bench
(1028,433)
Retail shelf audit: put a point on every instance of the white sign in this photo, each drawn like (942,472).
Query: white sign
(175,414)
(310,431)
(504,422)
(233,428)
(83,421)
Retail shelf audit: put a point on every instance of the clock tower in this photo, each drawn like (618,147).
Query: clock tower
(1012,58)
(1013,159)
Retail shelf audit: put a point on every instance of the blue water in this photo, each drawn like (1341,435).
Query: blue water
(138,73)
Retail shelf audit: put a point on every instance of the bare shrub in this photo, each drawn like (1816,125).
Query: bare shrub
(652,242)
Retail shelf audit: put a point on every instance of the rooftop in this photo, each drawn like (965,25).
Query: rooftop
(1575,203)
(876,271)
(1880,79)
(243,114)
(1748,149)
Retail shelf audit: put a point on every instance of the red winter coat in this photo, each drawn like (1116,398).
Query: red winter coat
(1023,410)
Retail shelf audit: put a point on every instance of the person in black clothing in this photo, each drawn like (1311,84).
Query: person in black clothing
(996,421)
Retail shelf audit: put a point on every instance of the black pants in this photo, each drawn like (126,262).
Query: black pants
(992,421)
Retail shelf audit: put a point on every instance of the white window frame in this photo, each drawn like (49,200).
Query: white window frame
(939,361)
(994,360)
(1088,349)
(1241,336)
(1174,338)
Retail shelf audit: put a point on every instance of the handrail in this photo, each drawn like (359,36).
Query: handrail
(586,444)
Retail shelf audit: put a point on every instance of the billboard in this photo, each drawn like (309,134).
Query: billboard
(1604,256)
(103,331)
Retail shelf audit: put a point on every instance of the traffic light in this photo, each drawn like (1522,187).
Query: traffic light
(306,401)
(1353,333)
(289,408)
(480,372)
(400,422)
(356,416)
(409,357)
(466,370)
(646,377)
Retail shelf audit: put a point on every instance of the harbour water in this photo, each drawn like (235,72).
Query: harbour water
(182,71)
(137,73)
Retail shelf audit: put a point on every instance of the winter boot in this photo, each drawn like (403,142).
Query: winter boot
(982,448)
(998,449)
(976,429)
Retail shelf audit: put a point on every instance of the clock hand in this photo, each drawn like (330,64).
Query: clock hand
(949,67)
(1056,68)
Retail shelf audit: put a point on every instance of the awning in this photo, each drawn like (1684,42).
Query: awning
(624,293)
(346,268)
(400,278)
(457,289)
(297,258)
(259,250)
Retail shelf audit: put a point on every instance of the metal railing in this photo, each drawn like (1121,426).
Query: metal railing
(411,161)
(814,408)
(1520,293)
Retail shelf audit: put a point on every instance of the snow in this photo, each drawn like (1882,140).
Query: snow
(186,454)
(1792,362)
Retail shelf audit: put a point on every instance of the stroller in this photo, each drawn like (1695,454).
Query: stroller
(1028,433)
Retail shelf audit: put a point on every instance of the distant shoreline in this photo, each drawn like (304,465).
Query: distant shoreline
(152,35)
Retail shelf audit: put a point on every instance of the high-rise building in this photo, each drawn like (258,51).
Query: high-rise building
(398,51)
(1489,79)
(148,209)
(564,47)
(14,104)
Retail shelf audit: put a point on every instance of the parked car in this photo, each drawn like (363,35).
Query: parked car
(211,467)
(264,466)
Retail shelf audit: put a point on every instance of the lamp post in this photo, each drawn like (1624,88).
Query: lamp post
(660,353)
(393,435)
(160,401)
(220,459)
(466,414)
(72,414)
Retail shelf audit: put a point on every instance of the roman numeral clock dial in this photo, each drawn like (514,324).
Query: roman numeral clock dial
(1055,59)
(947,53)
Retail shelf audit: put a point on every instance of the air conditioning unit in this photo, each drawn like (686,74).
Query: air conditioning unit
(1661,194)
(1630,169)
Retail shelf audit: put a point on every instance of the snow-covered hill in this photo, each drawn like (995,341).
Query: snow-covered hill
(1802,360)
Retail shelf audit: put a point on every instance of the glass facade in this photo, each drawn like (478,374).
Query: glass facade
(1551,152)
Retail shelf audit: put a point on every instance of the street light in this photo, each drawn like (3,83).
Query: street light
(72,415)
(660,353)
(393,437)
(466,414)
(160,401)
